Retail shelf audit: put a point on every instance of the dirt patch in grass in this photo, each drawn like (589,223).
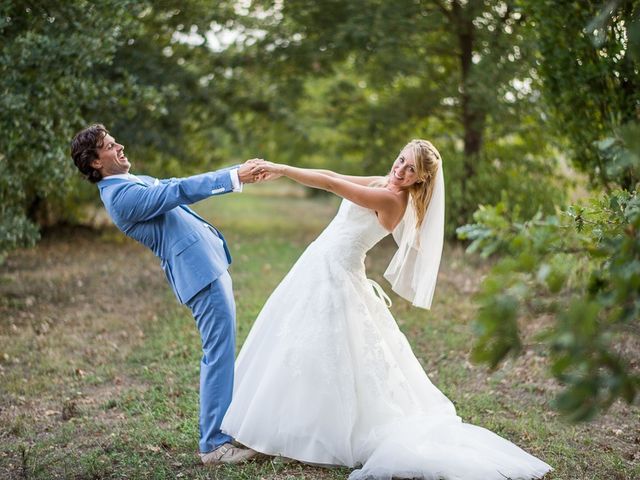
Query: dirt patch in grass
(71,310)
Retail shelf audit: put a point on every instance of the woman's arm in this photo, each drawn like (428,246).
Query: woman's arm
(358,180)
(379,199)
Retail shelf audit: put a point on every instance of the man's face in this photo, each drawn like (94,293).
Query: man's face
(111,159)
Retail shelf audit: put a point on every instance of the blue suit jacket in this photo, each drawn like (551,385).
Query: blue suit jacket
(192,252)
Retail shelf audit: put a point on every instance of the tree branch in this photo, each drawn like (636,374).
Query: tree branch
(447,13)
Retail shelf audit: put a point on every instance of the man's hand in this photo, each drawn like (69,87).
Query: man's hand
(245,172)
(251,170)
(267,170)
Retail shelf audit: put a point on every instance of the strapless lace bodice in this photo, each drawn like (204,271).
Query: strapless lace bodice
(350,235)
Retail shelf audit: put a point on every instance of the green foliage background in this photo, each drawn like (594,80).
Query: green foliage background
(523,98)
(190,85)
(582,264)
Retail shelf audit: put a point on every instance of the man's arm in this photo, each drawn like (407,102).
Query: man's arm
(136,203)
(240,174)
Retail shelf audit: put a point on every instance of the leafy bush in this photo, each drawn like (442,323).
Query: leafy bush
(48,62)
(582,266)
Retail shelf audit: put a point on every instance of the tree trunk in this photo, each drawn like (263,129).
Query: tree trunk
(473,117)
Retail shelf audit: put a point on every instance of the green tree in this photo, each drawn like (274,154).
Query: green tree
(589,91)
(144,69)
(365,76)
(51,52)
(581,265)
(171,54)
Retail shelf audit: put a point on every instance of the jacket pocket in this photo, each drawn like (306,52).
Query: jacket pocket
(183,243)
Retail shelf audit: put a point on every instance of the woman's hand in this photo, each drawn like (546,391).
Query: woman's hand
(267,170)
(245,172)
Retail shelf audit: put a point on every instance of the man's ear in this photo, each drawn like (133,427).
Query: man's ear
(97,164)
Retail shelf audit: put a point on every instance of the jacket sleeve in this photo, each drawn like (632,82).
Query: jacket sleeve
(137,203)
(167,180)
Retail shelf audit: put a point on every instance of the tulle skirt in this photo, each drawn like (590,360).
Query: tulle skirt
(326,377)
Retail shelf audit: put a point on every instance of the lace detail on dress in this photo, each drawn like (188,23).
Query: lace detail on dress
(326,376)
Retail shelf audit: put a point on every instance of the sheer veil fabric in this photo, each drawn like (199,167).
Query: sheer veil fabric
(326,376)
(413,270)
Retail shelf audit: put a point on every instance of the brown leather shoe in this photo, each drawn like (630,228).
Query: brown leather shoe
(227,453)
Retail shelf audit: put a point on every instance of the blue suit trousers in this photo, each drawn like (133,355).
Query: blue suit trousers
(214,311)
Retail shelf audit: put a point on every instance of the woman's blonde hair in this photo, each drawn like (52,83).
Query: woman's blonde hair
(428,161)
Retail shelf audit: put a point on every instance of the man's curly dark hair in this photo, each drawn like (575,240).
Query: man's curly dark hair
(84,150)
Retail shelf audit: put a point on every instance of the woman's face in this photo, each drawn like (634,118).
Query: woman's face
(404,172)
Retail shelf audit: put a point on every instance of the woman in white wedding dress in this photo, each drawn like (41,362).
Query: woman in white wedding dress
(326,376)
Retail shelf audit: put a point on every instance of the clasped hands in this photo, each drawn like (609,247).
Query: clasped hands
(258,170)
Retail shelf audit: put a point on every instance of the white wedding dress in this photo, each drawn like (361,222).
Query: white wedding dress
(326,376)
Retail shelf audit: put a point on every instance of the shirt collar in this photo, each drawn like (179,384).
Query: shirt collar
(125,176)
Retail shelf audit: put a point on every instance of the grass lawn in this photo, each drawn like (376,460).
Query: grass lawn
(99,363)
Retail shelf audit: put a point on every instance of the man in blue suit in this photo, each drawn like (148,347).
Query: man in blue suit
(193,255)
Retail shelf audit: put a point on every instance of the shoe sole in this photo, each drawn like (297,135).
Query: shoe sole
(240,459)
